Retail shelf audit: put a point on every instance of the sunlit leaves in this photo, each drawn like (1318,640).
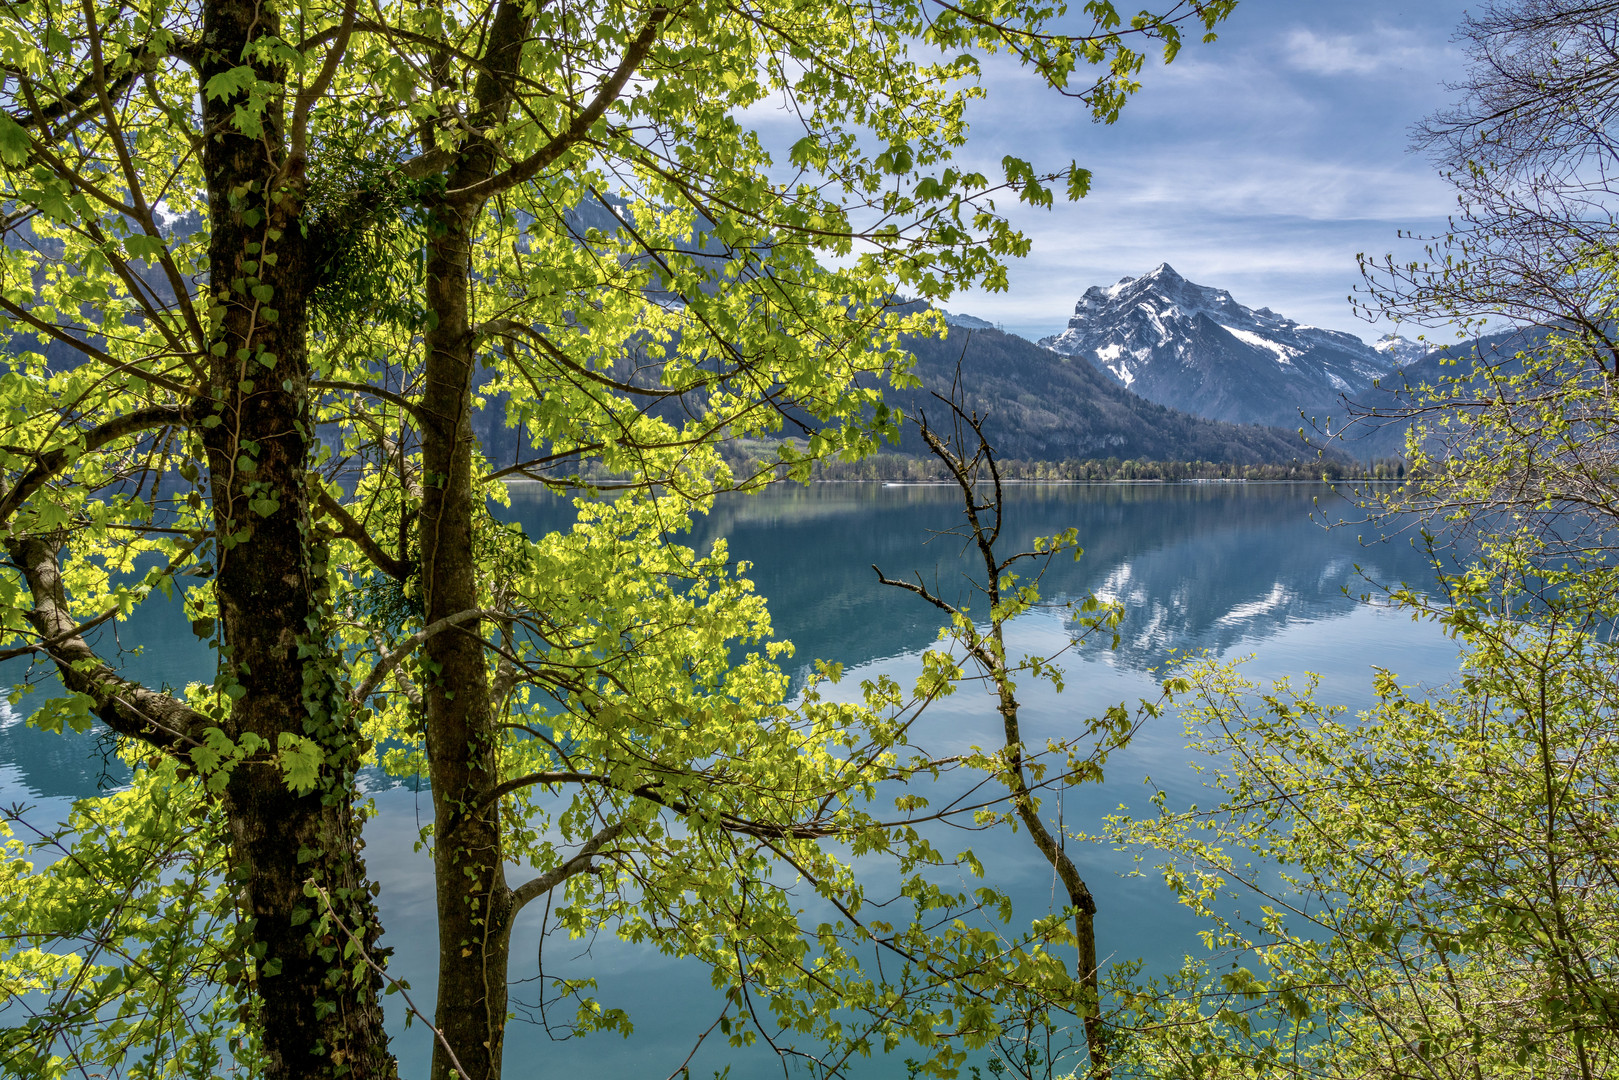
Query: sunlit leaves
(108,916)
(1430,875)
(662,294)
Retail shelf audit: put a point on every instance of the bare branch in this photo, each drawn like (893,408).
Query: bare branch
(405,648)
(378,392)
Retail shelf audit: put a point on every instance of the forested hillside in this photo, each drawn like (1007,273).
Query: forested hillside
(1040,407)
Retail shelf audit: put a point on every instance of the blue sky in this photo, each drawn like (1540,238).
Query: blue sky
(1261,163)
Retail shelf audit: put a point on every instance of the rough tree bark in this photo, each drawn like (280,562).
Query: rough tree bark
(462,741)
(476,905)
(319,1012)
(474,900)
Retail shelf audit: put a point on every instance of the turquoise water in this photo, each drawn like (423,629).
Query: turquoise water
(1233,570)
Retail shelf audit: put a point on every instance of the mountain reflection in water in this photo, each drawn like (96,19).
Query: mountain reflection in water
(1197,566)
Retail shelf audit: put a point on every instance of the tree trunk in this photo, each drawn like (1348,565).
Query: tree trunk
(474,900)
(1055,853)
(318,1010)
(475,903)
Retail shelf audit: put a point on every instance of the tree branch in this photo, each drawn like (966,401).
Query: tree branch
(366,388)
(81,629)
(124,706)
(530,166)
(52,462)
(57,333)
(649,792)
(919,589)
(535,888)
(350,529)
(404,649)
(79,99)
(507,328)
(299,128)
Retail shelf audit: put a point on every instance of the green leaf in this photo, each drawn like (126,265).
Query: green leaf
(230,83)
(300,759)
(14,141)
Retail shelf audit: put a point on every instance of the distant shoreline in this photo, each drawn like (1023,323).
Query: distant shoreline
(1113,483)
(517,481)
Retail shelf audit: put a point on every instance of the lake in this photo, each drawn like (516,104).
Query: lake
(1229,569)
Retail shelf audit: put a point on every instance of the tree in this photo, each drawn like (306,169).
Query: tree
(1515,452)
(1028,773)
(194,349)
(300,247)
(1528,148)
(1435,876)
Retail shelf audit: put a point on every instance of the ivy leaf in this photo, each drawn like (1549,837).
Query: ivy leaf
(300,760)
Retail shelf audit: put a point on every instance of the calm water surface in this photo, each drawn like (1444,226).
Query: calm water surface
(1234,570)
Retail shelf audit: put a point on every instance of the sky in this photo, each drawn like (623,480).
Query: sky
(1261,163)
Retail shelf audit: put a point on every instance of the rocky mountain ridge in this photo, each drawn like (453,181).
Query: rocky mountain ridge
(1195,348)
(1040,407)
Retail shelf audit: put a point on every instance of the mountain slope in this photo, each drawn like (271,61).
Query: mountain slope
(1195,348)
(1380,427)
(1041,406)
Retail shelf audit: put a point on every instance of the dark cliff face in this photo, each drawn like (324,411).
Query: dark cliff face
(1194,348)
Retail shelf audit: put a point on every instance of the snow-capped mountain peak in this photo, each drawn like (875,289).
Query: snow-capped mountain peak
(1401,351)
(966,322)
(1194,347)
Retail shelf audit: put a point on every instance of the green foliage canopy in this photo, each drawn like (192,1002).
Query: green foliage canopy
(262,263)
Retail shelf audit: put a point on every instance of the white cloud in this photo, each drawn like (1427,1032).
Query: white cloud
(1239,164)
(1262,163)
(1222,180)
(1380,49)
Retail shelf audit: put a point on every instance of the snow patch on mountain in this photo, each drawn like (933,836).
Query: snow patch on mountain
(966,322)
(1110,356)
(1284,355)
